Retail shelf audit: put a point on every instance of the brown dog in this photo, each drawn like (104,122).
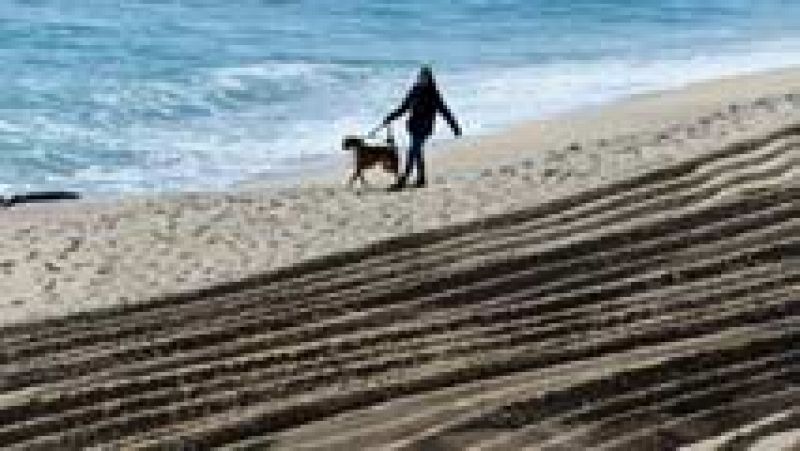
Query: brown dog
(369,155)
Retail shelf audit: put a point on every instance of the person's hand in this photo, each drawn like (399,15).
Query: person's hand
(375,130)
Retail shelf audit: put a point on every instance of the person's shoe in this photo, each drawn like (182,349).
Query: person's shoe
(420,184)
(397,186)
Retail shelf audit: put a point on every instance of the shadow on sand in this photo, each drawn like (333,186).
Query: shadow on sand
(38,197)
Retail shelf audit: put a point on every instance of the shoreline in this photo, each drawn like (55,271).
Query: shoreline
(450,154)
(644,113)
(78,256)
(595,121)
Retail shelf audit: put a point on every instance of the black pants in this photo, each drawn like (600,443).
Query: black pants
(415,158)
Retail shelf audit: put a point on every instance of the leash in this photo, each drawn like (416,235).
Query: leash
(389,133)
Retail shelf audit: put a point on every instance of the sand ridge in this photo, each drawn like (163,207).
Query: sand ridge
(677,304)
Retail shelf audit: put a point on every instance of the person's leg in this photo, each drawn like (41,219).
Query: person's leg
(420,159)
(415,153)
(409,164)
(421,167)
(413,158)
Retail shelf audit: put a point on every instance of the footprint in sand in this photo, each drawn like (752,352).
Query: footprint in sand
(574,147)
(508,170)
(630,150)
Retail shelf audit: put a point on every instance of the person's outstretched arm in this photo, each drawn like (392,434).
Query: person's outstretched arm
(448,115)
(400,110)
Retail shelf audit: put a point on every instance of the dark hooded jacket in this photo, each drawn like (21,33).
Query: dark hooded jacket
(423,102)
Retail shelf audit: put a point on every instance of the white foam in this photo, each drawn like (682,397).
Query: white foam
(493,98)
(225,125)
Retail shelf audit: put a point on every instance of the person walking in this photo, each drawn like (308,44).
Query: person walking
(422,103)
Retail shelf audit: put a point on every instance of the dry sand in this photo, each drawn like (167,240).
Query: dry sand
(72,257)
(601,278)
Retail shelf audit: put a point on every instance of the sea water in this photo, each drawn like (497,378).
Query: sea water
(113,96)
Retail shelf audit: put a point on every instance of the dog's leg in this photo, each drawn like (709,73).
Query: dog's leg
(356,168)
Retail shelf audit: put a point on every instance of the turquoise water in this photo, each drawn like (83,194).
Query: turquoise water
(109,96)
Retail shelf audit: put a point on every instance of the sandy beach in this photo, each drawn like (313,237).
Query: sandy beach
(321,317)
(76,256)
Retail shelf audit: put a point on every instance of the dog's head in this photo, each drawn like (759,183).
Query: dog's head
(352,143)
